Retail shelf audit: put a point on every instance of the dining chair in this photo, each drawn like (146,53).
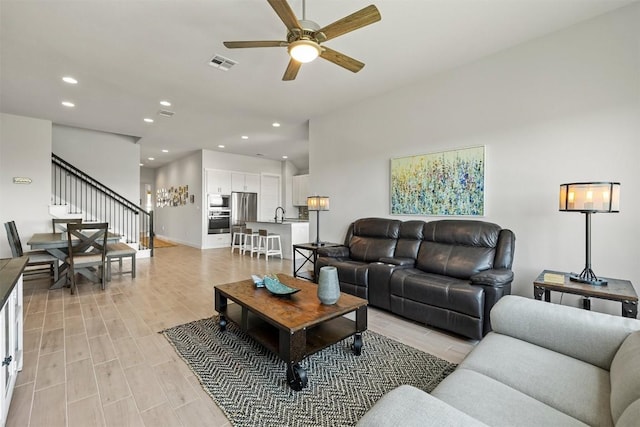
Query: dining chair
(58,226)
(41,261)
(87,245)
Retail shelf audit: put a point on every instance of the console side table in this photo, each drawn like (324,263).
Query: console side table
(309,254)
(616,290)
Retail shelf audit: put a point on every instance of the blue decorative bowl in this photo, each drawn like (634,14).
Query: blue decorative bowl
(276,287)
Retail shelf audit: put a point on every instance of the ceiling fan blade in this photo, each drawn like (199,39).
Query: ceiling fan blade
(341,59)
(285,13)
(292,70)
(259,43)
(356,20)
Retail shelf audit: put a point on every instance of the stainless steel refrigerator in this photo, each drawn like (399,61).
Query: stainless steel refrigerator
(244,207)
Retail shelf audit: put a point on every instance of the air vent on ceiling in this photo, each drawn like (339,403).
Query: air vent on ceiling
(222,63)
(166,113)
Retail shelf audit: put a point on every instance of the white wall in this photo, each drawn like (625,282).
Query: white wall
(288,171)
(25,151)
(562,108)
(110,158)
(147,177)
(236,162)
(182,224)
(186,224)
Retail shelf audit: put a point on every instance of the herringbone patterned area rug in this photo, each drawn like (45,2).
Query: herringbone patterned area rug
(249,383)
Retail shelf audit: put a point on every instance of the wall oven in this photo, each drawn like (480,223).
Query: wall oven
(219,220)
(219,213)
(218,201)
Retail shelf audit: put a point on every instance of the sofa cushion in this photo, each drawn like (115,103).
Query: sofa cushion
(371,249)
(462,232)
(454,260)
(373,238)
(408,406)
(377,227)
(353,272)
(571,386)
(497,404)
(630,416)
(409,239)
(585,335)
(458,248)
(439,291)
(625,376)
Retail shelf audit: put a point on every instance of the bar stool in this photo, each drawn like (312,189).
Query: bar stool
(266,244)
(250,242)
(237,240)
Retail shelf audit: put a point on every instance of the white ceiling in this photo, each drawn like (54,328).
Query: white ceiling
(130,54)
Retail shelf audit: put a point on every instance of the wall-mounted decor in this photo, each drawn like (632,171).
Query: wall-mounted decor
(173,196)
(162,198)
(22,180)
(444,183)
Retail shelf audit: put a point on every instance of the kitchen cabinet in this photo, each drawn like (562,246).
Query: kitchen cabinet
(269,197)
(247,182)
(300,190)
(218,181)
(211,241)
(11,318)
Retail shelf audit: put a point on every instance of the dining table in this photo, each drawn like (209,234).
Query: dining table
(57,245)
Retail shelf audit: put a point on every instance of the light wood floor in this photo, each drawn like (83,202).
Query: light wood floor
(96,359)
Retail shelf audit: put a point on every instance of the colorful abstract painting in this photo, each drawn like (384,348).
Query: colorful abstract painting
(445,183)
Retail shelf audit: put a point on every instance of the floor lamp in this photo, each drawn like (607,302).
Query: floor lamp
(589,198)
(318,203)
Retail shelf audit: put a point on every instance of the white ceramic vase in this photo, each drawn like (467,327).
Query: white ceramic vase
(328,285)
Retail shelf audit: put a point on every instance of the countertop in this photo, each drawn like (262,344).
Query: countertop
(10,271)
(290,232)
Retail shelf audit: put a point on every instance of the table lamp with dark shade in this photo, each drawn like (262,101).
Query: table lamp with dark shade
(589,198)
(318,203)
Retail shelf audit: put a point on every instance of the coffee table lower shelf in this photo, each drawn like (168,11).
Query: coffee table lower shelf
(295,346)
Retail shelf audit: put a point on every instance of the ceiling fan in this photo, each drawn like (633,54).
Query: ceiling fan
(304,37)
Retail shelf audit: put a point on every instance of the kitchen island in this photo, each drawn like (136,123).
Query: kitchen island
(291,232)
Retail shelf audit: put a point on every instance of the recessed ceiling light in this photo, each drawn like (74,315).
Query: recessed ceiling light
(285,157)
(148,120)
(165,151)
(244,137)
(275,124)
(141,164)
(165,103)
(70,80)
(220,146)
(68,104)
(151,158)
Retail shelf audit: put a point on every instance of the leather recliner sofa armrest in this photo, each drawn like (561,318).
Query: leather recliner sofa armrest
(410,262)
(334,251)
(495,277)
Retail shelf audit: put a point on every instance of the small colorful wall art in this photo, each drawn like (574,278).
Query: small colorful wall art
(445,183)
(174,196)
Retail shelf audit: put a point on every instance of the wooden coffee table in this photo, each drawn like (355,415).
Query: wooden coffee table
(295,326)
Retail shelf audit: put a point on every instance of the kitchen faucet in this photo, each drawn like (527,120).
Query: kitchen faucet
(275,218)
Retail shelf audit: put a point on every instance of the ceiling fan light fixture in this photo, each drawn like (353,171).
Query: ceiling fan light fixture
(304,50)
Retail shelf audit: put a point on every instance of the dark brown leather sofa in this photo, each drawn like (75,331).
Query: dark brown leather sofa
(446,273)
